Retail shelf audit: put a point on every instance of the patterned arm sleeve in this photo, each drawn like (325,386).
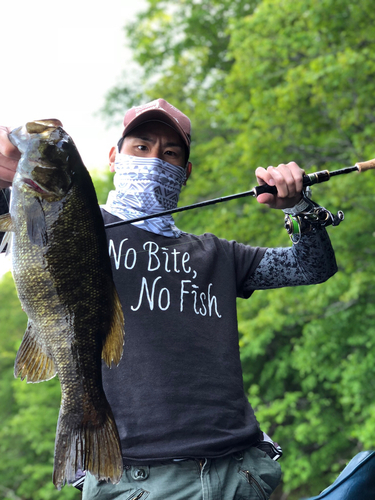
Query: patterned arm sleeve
(309,262)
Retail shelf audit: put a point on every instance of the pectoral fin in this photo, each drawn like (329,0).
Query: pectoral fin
(36,223)
(6,223)
(32,360)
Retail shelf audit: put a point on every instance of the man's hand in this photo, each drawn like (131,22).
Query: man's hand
(288,181)
(9,156)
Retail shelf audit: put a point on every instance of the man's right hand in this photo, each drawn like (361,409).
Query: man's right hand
(9,156)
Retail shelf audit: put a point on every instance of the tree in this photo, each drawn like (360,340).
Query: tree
(263,82)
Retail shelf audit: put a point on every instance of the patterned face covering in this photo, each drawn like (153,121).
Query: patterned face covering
(146,186)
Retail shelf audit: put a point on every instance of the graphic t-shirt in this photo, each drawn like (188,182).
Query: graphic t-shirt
(178,390)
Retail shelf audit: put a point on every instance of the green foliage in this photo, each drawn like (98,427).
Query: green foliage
(103,183)
(267,82)
(263,82)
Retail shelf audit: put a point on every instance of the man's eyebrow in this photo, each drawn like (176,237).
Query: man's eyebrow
(174,144)
(147,138)
(143,137)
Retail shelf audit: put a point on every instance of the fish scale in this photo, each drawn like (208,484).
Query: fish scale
(63,277)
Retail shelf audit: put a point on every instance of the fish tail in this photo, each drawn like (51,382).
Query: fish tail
(94,446)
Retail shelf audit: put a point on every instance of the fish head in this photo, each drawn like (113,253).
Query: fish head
(48,158)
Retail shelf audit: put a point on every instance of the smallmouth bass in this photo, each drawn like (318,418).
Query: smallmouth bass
(62,272)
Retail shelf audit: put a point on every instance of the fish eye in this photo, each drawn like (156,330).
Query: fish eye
(63,145)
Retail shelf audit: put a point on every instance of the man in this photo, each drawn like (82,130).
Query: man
(187,429)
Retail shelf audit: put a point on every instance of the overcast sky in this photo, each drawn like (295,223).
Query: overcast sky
(58,60)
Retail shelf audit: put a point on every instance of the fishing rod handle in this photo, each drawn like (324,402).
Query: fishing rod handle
(365,165)
(308,180)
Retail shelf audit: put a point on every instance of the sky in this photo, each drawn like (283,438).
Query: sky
(58,60)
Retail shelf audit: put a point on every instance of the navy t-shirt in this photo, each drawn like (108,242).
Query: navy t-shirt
(178,390)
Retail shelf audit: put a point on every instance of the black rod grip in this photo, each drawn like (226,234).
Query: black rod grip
(264,188)
(308,180)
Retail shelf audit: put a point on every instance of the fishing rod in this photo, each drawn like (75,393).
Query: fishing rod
(308,180)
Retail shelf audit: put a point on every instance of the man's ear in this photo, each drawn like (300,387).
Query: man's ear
(189,166)
(112,157)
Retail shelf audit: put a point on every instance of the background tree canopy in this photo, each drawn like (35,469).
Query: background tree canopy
(263,82)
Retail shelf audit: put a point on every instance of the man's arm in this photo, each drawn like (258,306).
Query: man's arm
(310,261)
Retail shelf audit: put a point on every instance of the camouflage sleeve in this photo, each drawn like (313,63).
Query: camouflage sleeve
(311,261)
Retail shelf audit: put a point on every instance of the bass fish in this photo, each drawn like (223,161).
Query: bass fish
(62,272)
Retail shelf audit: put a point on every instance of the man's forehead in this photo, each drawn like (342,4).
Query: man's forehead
(154,129)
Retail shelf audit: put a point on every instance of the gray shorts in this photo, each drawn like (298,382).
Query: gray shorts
(249,475)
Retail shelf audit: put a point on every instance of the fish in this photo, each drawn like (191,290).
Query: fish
(62,272)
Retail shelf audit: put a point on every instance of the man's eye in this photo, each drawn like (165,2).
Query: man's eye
(170,153)
(141,147)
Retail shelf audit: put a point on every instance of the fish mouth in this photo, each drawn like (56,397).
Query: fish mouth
(34,186)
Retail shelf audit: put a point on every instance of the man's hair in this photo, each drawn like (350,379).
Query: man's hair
(120,143)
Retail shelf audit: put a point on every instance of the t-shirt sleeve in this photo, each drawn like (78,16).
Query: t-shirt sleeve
(246,260)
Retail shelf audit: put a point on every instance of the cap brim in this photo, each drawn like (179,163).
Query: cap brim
(160,116)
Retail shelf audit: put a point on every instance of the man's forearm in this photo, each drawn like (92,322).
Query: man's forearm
(311,261)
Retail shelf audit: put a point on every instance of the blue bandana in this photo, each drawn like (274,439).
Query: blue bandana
(146,186)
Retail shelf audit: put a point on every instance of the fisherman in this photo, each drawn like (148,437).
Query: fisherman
(187,429)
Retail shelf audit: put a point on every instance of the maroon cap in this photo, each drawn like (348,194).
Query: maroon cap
(159,110)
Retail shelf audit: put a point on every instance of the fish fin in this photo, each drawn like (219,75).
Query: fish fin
(94,446)
(32,361)
(114,342)
(6,223)
(36,223)
(40,126)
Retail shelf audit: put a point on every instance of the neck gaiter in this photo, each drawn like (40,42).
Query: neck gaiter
(146,186)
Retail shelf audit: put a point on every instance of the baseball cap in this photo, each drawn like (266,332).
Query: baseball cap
(159,110)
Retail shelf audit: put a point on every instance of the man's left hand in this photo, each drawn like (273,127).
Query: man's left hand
(288,180)
(9,156)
